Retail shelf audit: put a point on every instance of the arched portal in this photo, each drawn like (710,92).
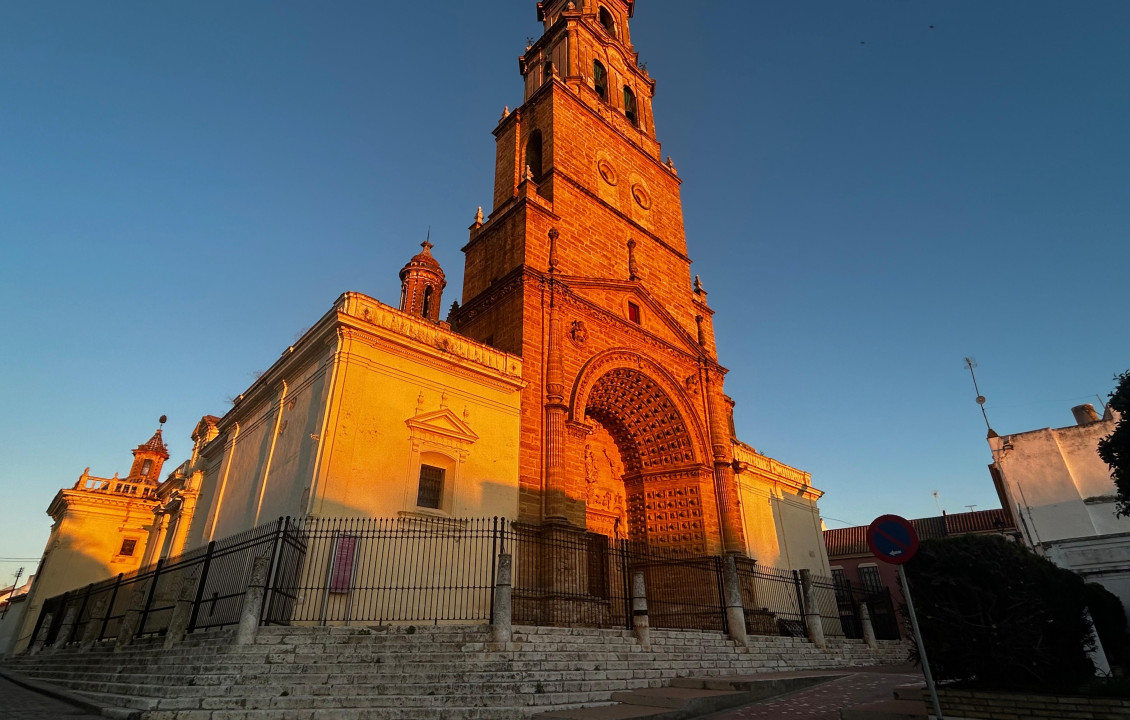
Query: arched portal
(644,431)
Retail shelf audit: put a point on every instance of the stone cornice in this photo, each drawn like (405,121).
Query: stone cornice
(748,460)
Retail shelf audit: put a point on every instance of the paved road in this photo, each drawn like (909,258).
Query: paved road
(825,701)
(18,703)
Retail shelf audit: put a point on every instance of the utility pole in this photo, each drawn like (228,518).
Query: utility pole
(15,586)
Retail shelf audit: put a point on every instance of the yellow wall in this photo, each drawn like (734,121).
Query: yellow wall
(779,513)
(341,424)
(84,543)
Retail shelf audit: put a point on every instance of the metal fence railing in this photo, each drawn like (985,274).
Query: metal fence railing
(335,571)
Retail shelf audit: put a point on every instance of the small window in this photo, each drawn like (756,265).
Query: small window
(427,301)
(630,106)
(403,296)
(600,80)
(146,466)
(430,493)
(128,546)
(608,21)
(533,154)
(634,313)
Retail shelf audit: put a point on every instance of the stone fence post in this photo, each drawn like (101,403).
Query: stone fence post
(94,625)
(640,619)
(40,638)
(182,611)
(812,611)
(132,618)
(501,624)
(253,601)
(735,611)
(868,628)
(70,617)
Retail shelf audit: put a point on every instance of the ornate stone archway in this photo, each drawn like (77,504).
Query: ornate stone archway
(667,482)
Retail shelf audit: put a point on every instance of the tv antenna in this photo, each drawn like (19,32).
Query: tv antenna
(970,507)
(938,502)
(971,364)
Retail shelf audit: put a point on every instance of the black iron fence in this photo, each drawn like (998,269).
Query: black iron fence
(432,570)
(216,576)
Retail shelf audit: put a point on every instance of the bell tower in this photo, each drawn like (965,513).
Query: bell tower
(421,284)
(582,269)
(148,458)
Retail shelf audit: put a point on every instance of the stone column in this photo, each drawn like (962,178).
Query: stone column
(253,601)
(639,610)
(94,626)
(868,628)
(182,611)
(735,611)
(501,629)
(725,486)
(812,611)
(132,618)
(556,500)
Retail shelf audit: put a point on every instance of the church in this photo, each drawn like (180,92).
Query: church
(576,383)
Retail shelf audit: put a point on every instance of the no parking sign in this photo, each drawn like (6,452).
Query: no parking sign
(893,539)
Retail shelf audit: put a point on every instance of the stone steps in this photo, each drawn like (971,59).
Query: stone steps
(390,673)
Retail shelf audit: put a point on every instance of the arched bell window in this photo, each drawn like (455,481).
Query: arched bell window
(600,80)
(608,21)
(533,155)
(630,106)
(427,302)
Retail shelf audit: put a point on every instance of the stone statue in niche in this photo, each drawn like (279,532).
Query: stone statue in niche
(579,332)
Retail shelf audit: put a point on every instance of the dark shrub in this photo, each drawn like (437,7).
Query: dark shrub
(1110,621)
(996,615)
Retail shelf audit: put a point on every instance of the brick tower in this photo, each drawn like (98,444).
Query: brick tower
(582,269)
(421,284)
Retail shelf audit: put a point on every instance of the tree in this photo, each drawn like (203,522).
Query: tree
(993,614)
(1115,448)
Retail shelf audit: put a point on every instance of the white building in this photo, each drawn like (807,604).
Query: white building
(1063,497)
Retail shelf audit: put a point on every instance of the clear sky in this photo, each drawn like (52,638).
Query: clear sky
(185,187)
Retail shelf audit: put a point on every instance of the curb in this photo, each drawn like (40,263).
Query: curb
(69,697)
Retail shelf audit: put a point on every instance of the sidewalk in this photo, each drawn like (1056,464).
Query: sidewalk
(18,703)
(824,702)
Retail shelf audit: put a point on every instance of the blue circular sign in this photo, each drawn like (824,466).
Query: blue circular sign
(892,539)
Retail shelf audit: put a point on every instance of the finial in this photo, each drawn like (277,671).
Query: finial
(505,112)
(479,215)
(529,174)
(698,285)
(553,235)
(427,244)
(162,420)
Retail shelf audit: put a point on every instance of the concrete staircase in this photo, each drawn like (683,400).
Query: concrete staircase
(410,673)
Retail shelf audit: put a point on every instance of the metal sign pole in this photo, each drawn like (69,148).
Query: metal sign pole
(921,648)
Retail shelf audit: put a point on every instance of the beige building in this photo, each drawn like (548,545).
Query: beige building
(101,529)
(1063,497)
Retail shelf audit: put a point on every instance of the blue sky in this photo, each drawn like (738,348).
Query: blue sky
(186,187)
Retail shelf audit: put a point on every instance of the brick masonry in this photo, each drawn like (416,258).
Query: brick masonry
(981,705)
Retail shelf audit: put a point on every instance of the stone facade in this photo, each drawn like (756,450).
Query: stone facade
(582,269)
(980,705)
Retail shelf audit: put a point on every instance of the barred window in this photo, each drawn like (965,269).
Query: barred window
(630,106)
(869,576)
(430,493)
(600,80)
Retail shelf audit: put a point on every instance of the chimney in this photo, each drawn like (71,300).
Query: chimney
(1085,414)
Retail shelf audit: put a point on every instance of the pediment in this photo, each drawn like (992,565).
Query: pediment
(662,324)
(443,422)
